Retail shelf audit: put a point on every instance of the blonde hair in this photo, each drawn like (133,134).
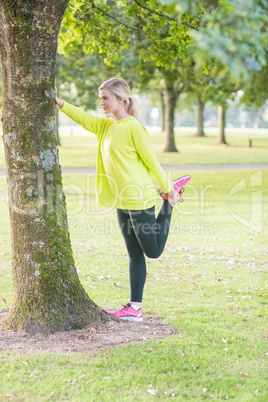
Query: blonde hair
(121,90)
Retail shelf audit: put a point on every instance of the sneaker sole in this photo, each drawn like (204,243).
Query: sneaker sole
(187,176)
(137,319)
(165,197)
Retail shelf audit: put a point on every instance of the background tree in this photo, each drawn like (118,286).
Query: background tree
(169,84)
(220,91)
(47,293)
(233,32)
(256,89)
(200,115)
(209,86)
(174,86)
(198,84)
(160,39)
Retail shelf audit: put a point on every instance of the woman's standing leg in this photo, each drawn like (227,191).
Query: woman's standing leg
(137,264)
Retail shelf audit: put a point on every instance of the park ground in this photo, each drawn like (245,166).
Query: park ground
(205,297)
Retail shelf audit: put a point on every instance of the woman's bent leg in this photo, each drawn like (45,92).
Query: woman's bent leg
(151,232)
(137,264)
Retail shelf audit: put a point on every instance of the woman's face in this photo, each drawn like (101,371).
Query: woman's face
(108,101)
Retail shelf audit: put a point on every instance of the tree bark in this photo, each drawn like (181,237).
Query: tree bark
(163,110)
(171,97)
(221,124)
(200,117)
(57,128)
(47,293)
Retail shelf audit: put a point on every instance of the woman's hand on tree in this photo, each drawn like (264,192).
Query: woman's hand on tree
(59,101)
(52,95)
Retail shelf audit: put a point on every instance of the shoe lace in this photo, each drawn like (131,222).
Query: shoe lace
(124,307)
(180,193)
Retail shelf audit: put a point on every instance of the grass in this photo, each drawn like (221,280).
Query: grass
(79,148)
(210,284)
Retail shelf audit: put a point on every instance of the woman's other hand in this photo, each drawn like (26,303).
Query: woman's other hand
(173,198)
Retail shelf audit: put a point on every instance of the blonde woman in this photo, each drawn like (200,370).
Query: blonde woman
(125,159)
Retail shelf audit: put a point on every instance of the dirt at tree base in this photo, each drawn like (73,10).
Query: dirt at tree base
(86,340)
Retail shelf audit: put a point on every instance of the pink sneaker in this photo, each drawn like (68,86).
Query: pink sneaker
(178,186)
(128,313)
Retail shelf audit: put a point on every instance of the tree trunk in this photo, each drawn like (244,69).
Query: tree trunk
(221,120)
(163,110)
(47,293)
(57,127)
(171,96)
(200,117)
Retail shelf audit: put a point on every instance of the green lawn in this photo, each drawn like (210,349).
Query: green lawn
(210,284)
(79,148)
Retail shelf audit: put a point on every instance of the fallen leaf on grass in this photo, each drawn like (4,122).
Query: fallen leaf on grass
(245,374)
(238,385)
(152,391)
(194,343)
(10,396)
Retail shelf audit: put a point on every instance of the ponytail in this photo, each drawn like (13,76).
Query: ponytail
(132,107)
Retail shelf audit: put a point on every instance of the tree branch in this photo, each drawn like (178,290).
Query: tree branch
(125,25)
(163,15)
(116,20)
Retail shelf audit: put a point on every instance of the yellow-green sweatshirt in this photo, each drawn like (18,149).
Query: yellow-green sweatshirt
(125,159)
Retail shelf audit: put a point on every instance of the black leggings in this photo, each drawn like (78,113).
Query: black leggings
(143,234)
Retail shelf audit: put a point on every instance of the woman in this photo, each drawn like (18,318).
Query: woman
(125,159)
